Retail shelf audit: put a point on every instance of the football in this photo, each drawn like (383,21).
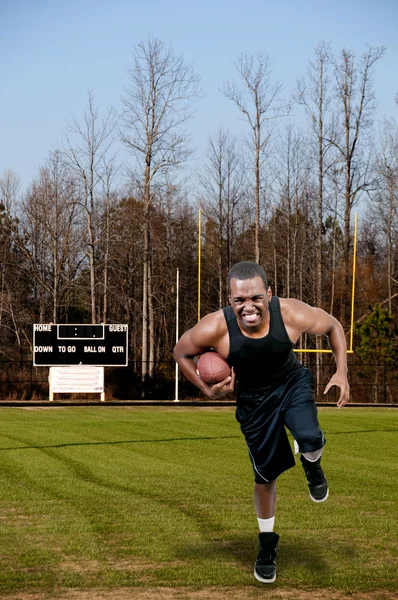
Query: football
(213,367)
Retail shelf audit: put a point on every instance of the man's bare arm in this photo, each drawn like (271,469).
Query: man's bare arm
(204,335)
(305,318)
(338,346)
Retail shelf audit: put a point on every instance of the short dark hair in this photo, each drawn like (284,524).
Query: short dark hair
(246,270)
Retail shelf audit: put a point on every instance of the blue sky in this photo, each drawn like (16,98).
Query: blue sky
(52,52)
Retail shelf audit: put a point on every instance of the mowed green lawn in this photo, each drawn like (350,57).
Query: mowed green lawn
(108,497)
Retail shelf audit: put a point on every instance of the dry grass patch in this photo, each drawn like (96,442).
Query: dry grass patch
(211,593)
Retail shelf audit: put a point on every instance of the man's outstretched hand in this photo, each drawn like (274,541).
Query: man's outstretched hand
(342,382)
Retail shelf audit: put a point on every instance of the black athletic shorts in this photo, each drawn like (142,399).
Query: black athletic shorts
(263,415)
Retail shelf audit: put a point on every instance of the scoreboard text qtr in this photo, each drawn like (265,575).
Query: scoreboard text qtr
(64,345)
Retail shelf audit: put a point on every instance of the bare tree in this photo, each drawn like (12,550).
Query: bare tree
(259,100)
(87,154)
(313,94)
(356,98)
(9,189)
(11,294)
(157,104)
(108,233)
(51,241)
(332,225)
(290,166)
(221,181)
(173,229)
(387,167)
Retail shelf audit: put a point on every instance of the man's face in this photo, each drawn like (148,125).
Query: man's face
(249,300)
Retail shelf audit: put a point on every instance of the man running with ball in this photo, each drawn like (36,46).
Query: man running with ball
(256,334)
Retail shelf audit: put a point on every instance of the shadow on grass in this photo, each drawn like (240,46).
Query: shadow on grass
(362,431)
(162,441)
(116,442)
(295,554)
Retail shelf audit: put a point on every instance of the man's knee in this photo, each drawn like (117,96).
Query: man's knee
(310,441)
(313,456)
(264,486)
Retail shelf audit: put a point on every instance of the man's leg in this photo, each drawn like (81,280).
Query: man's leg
(301,418)
(264,501)
(317,482)
(311,437)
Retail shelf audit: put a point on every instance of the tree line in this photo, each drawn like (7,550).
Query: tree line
(95,241)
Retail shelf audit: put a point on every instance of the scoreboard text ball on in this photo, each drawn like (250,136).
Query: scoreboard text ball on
(94,345)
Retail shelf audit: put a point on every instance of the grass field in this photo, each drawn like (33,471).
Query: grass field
(109,502)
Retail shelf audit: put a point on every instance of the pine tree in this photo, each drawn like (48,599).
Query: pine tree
(378,344)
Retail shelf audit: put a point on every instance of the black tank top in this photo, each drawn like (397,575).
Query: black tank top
(261,362)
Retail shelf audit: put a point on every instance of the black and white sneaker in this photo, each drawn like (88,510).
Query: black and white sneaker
(265,566)
(317,482)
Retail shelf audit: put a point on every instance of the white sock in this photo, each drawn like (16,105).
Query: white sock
(266,525)
(313,456)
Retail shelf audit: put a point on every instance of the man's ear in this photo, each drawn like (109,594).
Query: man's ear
(229,299)
(269,292)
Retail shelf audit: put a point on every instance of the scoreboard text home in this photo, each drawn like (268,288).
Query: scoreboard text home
(64,345)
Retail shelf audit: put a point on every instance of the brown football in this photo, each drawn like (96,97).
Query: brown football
(213,367)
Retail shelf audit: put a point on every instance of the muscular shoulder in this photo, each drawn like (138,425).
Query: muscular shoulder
(299,316)
(212,327)
(294,311)
(213,324)
(208,333)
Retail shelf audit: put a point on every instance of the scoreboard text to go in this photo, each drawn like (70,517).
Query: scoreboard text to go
(63,345)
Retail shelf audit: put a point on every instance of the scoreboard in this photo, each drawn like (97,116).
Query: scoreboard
(64,345)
